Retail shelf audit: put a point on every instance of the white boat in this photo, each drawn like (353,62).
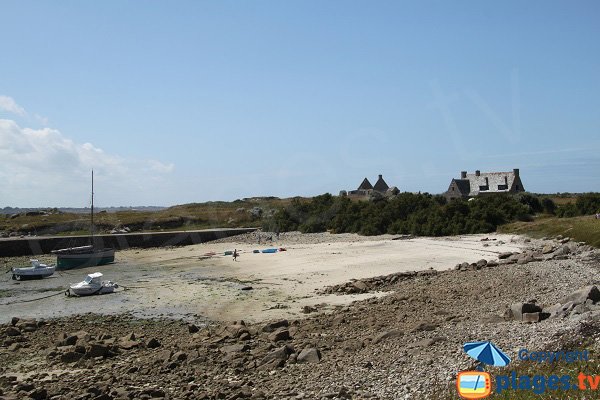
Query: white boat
(36,271)
(93,284)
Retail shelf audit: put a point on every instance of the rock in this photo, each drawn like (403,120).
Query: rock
(308,309)
(531,317)
(481,263)
(525,259)
(180,356)
(70,357)
(272,326)
(517,310)
(193,328)
(309,355)
(580,296)
(235,348)
(14,347)
(38,394)
(492,263)
(547,249)
(360,286)
(281,334)
(97,350)
(14,320)
(154,393)
(12,331)
(153,343)
(277,356)
(504,255)
(562,251)
(387,334)
(66,340)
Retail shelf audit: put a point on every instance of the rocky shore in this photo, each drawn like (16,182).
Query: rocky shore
(406,344)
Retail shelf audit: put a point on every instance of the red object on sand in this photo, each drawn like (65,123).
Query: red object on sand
(282,249)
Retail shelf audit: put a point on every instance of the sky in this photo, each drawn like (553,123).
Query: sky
(193,101)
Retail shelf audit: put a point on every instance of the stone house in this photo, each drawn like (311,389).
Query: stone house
(481,183)
(365,189)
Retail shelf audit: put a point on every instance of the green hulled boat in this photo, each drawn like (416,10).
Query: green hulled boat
(84,256)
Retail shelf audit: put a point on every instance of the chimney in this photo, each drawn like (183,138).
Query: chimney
(380,176)
(516,171)
(477,173)
(463,174)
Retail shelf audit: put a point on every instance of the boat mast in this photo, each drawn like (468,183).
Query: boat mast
(92,210)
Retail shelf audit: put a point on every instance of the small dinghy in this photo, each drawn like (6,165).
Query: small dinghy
(36,271)
(269,251)
(93,284)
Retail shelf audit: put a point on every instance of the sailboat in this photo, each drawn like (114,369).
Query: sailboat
(84,256)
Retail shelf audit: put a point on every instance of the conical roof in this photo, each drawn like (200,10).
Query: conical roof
(365,185)
(381,186)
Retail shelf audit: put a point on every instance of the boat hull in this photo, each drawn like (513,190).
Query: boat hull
(88,259)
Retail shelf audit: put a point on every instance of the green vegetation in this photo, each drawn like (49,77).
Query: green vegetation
(582,229)
(239,213)
(406,213)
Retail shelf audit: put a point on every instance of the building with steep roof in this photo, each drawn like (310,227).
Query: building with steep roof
(481,183)
(365,189)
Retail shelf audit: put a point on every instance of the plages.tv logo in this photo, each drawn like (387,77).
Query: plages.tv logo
(478,384)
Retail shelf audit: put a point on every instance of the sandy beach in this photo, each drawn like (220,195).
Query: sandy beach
(185,283)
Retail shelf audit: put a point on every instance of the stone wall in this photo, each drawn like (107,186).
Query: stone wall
(44,245)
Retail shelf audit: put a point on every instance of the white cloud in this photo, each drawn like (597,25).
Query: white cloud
(8,104)
(42,167)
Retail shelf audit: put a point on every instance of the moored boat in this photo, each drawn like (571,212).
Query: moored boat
(83,256)
(36,271)
(92,284)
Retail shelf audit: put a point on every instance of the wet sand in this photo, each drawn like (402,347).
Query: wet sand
(183,283)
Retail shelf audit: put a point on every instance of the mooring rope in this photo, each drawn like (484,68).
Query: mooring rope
(30,300)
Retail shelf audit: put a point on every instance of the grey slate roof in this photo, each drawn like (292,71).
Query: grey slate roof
(365,185)
(464,187)
(380,185)
(492,182)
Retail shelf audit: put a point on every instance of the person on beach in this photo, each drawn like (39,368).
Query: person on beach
(235,254)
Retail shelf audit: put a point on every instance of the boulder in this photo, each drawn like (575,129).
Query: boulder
(280,334)
(12,331)
(547,249)
(276,358)
(481,263)
(525,259)
(580,296)
(272,326)
(153,343)
(97,350)
(235,348)
(517,310)
(360,286)
(309,355)
(504,255)
(70,357)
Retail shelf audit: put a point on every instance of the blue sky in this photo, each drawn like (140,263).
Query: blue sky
(176,102)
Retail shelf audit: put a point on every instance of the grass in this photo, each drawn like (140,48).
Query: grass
(183,217)
(582,229)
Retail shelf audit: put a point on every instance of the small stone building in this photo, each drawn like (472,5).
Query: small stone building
(365,189)
(481,183)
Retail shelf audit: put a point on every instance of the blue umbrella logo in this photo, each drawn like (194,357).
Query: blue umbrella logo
(487,353)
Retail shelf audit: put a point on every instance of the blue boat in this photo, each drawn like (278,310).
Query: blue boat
(269,251)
